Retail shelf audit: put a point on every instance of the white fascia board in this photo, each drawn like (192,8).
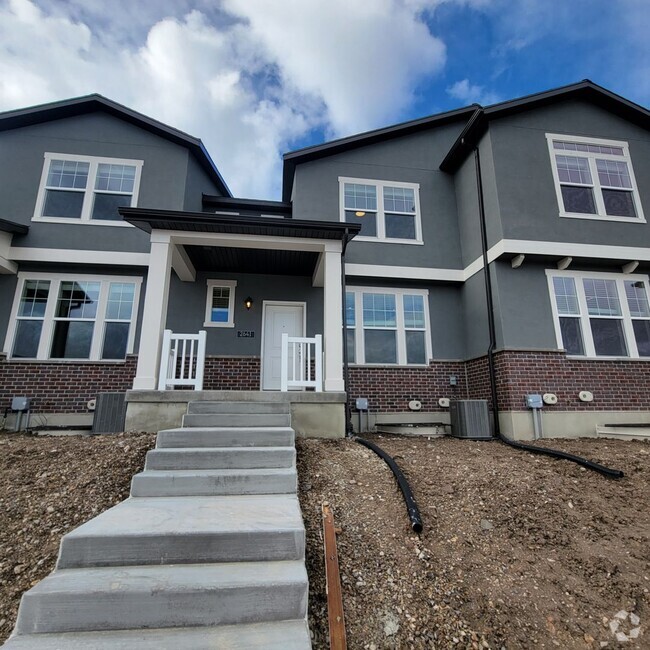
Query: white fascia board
(569,249)
(69,256)
(404,272)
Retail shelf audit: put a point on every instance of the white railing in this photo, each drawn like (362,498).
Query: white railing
(302,362)
(182,361)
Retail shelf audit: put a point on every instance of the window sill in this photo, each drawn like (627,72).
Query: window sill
(598,217)
(219,325)
(75,362)
(83,222)
(389,365)
(578,358)
(376,240)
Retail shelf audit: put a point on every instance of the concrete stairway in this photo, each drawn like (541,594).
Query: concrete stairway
(208,552)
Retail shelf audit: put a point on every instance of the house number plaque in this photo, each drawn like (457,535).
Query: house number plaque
(245,334)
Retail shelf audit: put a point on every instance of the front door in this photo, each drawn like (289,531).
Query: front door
(279,318)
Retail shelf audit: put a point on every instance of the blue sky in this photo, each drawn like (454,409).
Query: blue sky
(256,78)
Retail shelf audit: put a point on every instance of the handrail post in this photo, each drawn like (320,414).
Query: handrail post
(319,363)
(164,360)
(284,363)
(200,360)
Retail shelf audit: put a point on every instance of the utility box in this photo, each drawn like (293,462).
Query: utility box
(470,419)
(20,403)
(110,413)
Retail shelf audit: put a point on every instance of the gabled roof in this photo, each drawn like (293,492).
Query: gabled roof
(307,154)
(585,89)
(95,102)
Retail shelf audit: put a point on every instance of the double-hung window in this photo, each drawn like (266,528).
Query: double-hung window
(220,304)
(86,189)
(387,326)
(594,178)
(73,317)
(386,210)
(601,314)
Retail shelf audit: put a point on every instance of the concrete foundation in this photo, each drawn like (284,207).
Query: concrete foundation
(313,415)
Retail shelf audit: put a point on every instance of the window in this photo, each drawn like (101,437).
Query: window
(86,189)
(73,317)
(387,326)
(594,179)
(220,305)
(601,314)
(386,210)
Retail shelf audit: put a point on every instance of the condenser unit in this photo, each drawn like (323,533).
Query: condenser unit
(470,419)
(110,413)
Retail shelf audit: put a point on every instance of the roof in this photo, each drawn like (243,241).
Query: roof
(293,158)
(586,89)
(247,205)
(13,227)
(95,102)
(149,220)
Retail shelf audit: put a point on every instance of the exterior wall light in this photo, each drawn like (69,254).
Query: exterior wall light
(248,303)
(359,213)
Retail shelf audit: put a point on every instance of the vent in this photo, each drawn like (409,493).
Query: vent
(470,419)
(110,413)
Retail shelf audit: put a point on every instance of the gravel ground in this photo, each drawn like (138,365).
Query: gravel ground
(518,550)
(48,486)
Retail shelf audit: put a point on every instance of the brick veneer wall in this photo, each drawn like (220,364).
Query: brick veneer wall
(62,387)
(389,389)
(232,373)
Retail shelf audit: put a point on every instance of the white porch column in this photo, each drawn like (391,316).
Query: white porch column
(333,321)
(155,312)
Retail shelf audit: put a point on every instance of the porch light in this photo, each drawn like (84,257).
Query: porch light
(359,213)
(248,303)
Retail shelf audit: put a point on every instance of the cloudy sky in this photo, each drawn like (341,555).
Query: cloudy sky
(257,78)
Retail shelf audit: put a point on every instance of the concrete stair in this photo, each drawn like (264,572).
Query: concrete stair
(208,551)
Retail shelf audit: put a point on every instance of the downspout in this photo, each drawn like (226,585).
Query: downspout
(346,373)
(488,295)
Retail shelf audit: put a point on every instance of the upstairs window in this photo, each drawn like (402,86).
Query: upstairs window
(594,179)
(387,210)
(601,314)
(86,189)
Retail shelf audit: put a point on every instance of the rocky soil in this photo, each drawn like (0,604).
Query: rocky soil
(48,486)
(518,550)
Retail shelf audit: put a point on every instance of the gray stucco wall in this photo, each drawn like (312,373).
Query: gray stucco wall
(187,301)
(165,175)
(7,292)
(197,183)
(526,193)
(413,159)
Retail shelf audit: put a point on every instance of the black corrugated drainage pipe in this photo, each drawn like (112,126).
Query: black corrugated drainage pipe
(554,453)
(411,506)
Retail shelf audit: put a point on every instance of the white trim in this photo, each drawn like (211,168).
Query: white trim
(359,337)
(71,256)
(89,191)
(229,284)
(584,317)
(380,213)
(278,303)
(404,272)
(601,213)
(48,319)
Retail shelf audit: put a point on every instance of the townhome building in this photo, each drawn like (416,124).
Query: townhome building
(482,253)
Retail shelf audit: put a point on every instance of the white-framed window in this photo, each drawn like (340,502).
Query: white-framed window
(388,326)
(220,303)
(594,178)
(86,189)
(73,317)
(601,314)
(388,211)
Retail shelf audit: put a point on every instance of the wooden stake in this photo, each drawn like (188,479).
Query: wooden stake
(333,583)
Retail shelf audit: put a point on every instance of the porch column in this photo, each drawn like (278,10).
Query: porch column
(333,321)
(154,313)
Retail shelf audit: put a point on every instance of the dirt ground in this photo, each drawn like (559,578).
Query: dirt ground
(518,550)
(48,486)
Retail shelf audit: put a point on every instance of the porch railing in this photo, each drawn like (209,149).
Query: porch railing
(302,362)
(182,361)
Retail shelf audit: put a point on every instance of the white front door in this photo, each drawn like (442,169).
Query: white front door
(279,319)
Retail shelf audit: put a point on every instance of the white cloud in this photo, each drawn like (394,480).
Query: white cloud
(472,93)
(249,77)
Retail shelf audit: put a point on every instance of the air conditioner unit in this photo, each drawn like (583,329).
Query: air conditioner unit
(110,413)
(470,419)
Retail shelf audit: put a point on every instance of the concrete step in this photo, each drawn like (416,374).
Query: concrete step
(280,635)
(226,437)
(118,598)
(238,407)
(209,482)
(178,530)
(221,458)
(236,420)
